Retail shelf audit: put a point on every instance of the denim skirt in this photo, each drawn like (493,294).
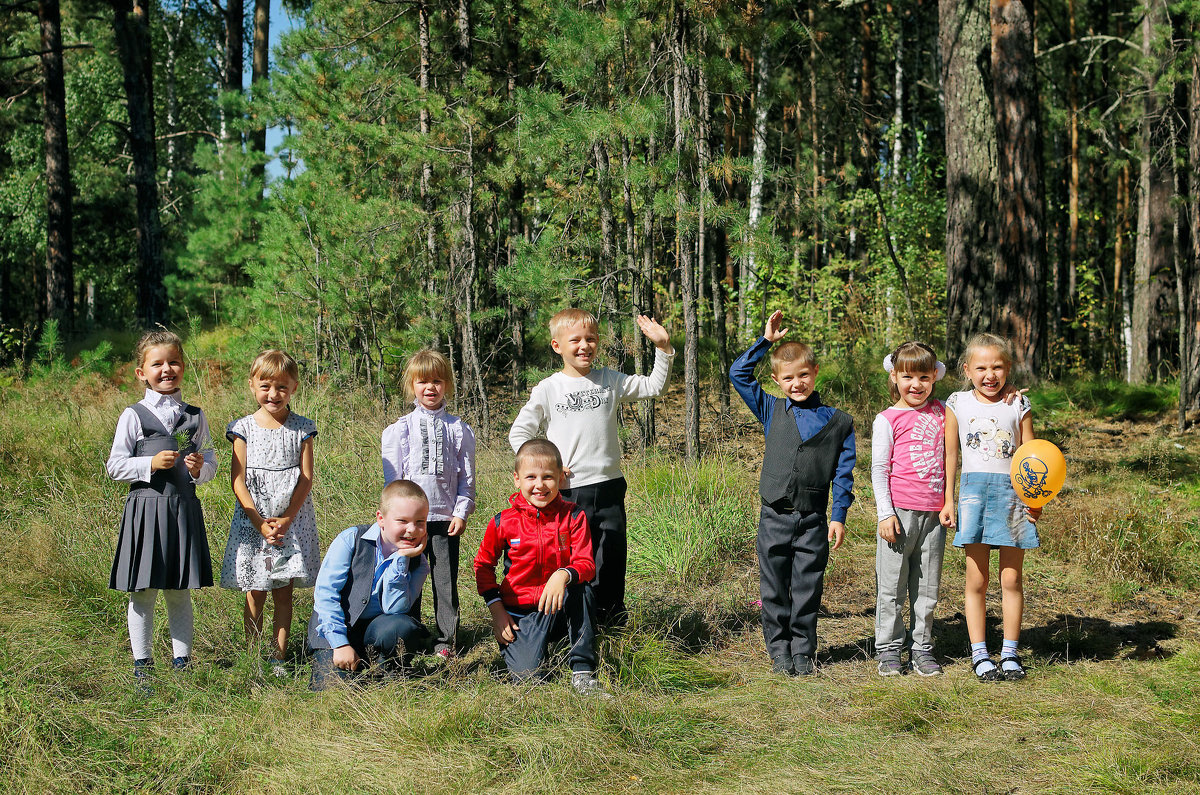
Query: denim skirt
(989,512)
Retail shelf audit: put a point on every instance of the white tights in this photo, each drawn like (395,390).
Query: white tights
(141,621)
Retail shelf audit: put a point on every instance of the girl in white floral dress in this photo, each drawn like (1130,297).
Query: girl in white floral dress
(273,545)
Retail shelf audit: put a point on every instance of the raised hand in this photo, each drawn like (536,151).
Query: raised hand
(772,331)
(654,332)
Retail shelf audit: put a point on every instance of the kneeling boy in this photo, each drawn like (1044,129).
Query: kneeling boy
(369,581)
(548,564)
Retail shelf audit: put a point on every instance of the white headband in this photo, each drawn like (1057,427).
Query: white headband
(888,366)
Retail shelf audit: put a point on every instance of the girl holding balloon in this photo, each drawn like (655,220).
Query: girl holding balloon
(990,513)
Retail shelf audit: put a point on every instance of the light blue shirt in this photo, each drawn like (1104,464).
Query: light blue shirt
(396,585)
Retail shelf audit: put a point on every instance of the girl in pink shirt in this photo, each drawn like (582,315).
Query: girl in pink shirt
(908,474)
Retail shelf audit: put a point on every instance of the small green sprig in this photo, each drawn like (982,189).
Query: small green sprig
(184,440)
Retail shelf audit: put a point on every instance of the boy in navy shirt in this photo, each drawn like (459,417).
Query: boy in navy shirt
(810,450)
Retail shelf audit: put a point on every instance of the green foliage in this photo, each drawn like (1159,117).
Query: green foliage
(687,526)
(1106,397)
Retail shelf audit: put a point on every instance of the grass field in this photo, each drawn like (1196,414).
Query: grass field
(1112,630)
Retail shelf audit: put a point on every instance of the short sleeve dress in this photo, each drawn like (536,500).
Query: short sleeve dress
(272,470)
(989,511)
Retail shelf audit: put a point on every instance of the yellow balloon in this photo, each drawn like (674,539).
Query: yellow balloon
(1038,471)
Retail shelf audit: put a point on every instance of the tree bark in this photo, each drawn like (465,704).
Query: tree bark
(1018,309)
(606,267)
(131,26)
(259,68)
(706,263)
(684,180)
(1154,253)
(1189,277)
(971,203)
(234,13)
(758,172)
(60,270)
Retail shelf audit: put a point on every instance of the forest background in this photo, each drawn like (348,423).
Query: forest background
(454,173)
(457,172)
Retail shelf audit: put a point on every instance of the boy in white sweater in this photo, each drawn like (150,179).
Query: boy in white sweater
(577,410)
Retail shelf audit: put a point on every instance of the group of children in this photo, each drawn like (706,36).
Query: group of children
(562,540)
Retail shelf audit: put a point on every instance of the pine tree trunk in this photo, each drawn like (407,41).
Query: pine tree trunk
(60,270)
(706,262)
(423,122)
(1155,245)
(646,279)
(259,66)
(683,236)
(1189,277)
(131,25)
(758,172)
(971,204)
(1018,310)
(606,267)
(234,13)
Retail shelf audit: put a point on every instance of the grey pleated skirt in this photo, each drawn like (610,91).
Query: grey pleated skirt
(161,544)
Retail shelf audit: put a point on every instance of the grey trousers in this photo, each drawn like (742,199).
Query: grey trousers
(793,548)
(443,564)
(527,653)
(908,570)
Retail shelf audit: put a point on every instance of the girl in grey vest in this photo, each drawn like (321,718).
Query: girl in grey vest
(159,449)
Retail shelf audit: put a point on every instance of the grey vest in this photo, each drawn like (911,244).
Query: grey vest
(155,438)
(796,474)
(356,593)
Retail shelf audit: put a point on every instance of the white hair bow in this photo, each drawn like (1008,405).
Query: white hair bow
(889,367)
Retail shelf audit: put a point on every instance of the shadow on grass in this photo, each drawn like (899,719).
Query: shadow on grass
(691,629)
(1065,639)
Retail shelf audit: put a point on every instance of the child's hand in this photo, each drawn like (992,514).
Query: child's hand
(193,462)
(281,525)
(267,528)
(555,592)
(889,529)
(414,552)
(837,533)
(1034,513)
(164,459)
(1010,394)
(771,331)
(345,657)
(503,626)
(946,515)
(654,332)
(457,527)
(565,481)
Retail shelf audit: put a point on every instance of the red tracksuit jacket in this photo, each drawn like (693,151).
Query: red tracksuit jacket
(535,544)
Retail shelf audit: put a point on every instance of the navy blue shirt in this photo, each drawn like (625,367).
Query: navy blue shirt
(811,416)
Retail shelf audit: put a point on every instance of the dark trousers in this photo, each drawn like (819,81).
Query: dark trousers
(526,655)
(443,565)
(793,548)
(604,505)
(390,639)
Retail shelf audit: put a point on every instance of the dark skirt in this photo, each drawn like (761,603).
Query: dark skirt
(161,544)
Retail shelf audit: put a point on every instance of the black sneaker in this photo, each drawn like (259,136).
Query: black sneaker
(143,676)
(783,665)
(181,663)
(803,665)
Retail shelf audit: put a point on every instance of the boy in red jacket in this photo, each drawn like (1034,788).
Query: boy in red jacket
(548,567)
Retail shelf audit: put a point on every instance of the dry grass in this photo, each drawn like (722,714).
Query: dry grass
(1113,629)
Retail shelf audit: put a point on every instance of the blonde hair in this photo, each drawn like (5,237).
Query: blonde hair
(154,339)
(427,364)
(911,357)
(573,317)
(790,352)
(270,364)
(985,340)
(542,450)
(400,490)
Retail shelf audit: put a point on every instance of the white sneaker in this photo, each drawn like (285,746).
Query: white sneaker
(585,683)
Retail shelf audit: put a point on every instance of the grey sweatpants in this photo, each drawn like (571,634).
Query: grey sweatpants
(908,570)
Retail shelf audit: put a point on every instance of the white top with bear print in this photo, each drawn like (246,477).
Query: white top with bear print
(988,433)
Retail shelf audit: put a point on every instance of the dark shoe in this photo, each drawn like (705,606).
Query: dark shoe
(925,664)
(143,676)
(1012,674)
(992,674)
(889,664)
(803,665)
(181,663)
(783,665)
